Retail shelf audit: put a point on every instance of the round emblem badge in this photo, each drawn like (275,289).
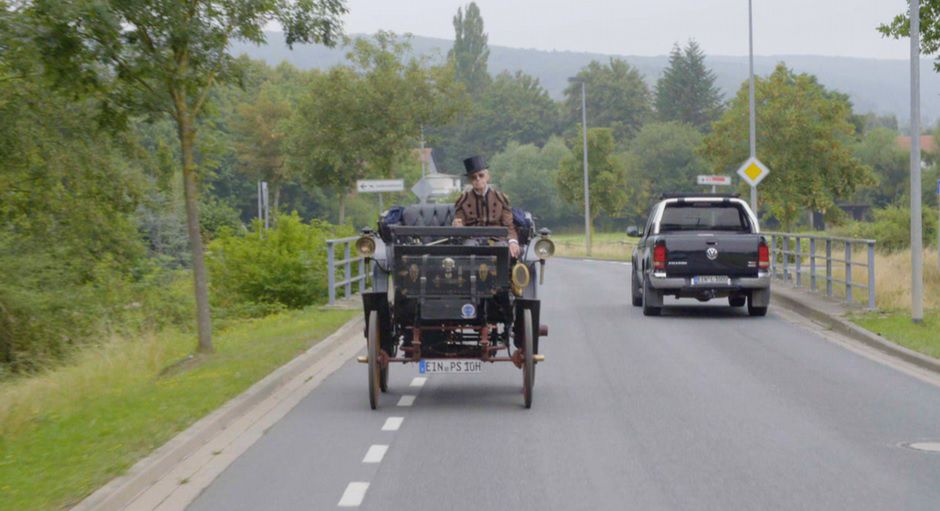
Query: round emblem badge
(468,311)
(711,253)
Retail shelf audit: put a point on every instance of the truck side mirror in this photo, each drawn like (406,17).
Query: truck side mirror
(633,231)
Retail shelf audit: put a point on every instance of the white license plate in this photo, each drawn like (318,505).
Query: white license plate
(450,366)
(711,280)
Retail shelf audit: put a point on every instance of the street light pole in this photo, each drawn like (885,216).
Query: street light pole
(917,240)
(750,88)
(587,194)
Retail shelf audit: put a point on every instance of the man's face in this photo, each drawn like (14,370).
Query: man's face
(479,180)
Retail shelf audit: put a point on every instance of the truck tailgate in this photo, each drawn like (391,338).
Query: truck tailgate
(688,254)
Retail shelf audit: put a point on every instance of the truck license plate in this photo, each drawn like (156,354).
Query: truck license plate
(711,280)
(450,366)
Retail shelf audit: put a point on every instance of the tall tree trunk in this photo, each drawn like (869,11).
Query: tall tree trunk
(342,208)
(187,135)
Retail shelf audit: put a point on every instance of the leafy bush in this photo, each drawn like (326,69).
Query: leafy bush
(891,227)
(265,270)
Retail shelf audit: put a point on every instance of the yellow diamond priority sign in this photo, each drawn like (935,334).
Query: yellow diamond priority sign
(753,171)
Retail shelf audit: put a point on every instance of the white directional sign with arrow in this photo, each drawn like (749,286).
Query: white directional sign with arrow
(380,185)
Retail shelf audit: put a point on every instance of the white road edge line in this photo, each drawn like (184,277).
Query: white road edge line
(355,492)
(418,381)
(406,400)
(375,454)
(392,423)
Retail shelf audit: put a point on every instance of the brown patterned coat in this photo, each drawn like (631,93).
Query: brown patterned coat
(490,209)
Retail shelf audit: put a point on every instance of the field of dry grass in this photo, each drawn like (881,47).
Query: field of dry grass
(604,245)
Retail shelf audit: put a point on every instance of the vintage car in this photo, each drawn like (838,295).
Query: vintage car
(451,299)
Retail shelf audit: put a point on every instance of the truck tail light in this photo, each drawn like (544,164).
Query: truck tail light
(763,256)
(660,254)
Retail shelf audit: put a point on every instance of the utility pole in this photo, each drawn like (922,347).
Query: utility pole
(917,240)
(587,188)
(750,88)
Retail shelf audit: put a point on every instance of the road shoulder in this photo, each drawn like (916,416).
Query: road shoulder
(174,474)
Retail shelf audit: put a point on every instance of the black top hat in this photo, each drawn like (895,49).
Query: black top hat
(474,164)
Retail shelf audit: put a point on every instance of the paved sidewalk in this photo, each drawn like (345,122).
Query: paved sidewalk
(834,315)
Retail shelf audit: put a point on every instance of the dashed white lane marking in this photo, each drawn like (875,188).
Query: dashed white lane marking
(375,454)
(392,423)
(355,492)
(418,381)
(406,400)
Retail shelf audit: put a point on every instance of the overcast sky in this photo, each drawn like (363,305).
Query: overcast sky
(631,27)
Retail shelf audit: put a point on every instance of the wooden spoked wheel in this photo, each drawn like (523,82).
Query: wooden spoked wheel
(375,366)
(528,362)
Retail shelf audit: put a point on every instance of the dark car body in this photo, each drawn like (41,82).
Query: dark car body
(703,247)
(454,293)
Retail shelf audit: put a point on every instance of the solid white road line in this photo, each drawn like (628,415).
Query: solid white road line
(375,454)
(352,497)
(392,423)
(418,381)
(406,400)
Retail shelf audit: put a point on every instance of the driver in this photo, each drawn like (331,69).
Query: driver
(482,205)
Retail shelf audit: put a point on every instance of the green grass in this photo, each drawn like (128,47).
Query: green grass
(604,245)
(896,326)
(65,433)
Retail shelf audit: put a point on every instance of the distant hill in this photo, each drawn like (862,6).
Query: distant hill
(874,85)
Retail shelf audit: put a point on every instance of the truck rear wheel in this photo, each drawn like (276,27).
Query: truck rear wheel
(755,311)
(635,291)
(652,300)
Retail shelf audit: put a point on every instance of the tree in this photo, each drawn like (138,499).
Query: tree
(528,175)
(804,135)
(617,97)
(900,27)
(164,59)
(667,158)
(687,92)
(260,129)
(361,120)
(879,149)
(607,174)
(470,52)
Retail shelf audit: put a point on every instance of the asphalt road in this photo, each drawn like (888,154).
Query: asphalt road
(702,408)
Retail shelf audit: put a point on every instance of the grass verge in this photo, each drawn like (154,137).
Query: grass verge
(897,327)
(604,245)
(65,433)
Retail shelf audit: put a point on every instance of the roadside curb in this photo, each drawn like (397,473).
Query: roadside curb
(121,491)
(845,327)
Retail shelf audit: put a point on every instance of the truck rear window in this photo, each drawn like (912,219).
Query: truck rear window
(704,216)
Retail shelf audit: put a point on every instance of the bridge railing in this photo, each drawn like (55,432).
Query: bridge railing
(795,257)
(352,270)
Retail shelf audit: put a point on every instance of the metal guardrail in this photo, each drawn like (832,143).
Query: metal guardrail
(346,264)
(786,250)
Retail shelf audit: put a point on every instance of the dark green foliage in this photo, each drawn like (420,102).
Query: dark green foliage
(667,160)
(470,53)
(891,227)
(900,27)
(264,270)
(879,149)
(617,98)
(528,175)
(687,92)
(804,135)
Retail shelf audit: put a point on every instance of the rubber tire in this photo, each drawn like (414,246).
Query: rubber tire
(372,351)
(636,294)
(647,290)
(383,380)
(528,362)
(737,301)
(755,311)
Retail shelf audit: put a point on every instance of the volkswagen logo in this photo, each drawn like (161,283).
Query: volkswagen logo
(711,253)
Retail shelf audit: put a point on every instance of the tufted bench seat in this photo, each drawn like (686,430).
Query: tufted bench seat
(428,215)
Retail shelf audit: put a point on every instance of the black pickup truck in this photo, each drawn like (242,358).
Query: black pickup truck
(701,246)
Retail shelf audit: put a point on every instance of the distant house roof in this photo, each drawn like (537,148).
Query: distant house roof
(426,155)
(927,143)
